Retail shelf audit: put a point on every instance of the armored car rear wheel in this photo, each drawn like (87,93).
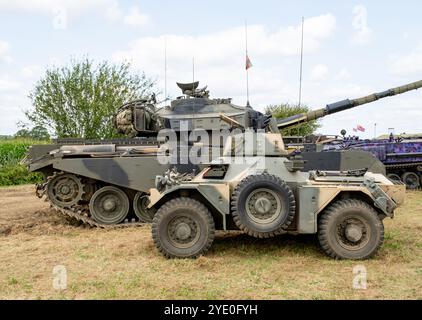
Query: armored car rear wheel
(183,228)
(263,206)
(350,229)
(109,205)
(140,203)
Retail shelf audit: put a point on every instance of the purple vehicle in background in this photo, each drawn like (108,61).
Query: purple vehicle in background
(402,157)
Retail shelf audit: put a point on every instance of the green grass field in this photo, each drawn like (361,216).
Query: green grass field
(12,151)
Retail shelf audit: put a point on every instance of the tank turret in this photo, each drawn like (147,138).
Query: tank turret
(194,109)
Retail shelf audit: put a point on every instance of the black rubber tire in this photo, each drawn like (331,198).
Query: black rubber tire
(143,214)
(337,213)
(263,230)
(415,182)
(183,208)
(109,219)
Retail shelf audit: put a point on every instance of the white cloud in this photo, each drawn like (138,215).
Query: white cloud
(135,18)
(113,12)
(220,58)
(47,6)
(31,71)
(63,10)
(216,48)
(8,84)
(319,72)
(410,64)
(4,52)
(363,34)
(344,74)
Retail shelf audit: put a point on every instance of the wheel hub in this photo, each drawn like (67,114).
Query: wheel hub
(353,233)
(263,205)
(65,189)
(183,231)
(109,204)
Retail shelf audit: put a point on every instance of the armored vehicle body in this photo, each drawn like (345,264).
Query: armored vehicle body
(107,182)
(264,194)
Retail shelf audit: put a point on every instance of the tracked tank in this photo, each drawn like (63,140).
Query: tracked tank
(402,157)
(106,182)
(80,175)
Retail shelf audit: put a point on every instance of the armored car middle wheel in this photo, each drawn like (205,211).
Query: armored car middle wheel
(183,228)
(263,206)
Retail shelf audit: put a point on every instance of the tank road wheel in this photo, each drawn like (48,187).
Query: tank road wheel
(411,179)
(350,229)
(394,177)
(183,228)
(263,206)
(140,203)
(65,190)
(109,205)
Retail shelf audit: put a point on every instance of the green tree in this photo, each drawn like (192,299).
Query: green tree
(36,133)
(79,100)
(22,133)
(39,133)
(287,110)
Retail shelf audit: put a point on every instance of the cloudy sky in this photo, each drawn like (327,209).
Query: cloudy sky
(352,48)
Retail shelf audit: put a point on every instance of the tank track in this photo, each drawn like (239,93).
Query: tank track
(120,142)
(403,166)
(80,212)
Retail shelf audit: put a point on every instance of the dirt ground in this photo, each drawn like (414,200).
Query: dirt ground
(113,264)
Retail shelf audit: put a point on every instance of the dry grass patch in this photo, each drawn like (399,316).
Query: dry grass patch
(111,264)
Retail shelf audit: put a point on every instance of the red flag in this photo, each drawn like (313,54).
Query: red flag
(360,128)
(248,63)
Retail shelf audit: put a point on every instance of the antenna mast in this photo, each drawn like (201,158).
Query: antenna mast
(247,67)
(165,69)
(193,70)
(301,63)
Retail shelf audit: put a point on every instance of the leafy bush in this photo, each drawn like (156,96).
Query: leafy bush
(17,174)
(12,151)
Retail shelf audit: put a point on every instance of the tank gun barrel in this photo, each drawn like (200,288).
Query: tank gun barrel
(345,105)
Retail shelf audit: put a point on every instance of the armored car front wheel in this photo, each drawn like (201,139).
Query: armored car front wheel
(350,229)
(183,228)
(263,206)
